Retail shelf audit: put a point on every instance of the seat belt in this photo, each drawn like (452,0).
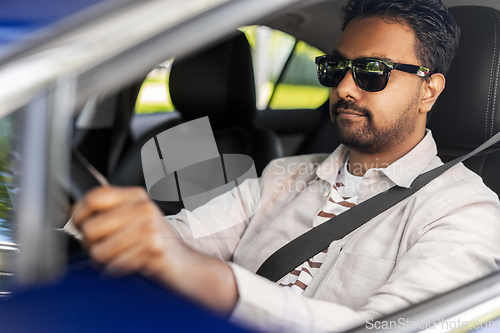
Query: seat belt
(306,246)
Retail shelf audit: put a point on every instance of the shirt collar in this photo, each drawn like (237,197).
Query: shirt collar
(402,172)
(330,167)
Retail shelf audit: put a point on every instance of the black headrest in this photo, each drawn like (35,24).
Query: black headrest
(218,83)
(468,111)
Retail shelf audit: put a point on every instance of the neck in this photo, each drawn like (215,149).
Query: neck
(360,162)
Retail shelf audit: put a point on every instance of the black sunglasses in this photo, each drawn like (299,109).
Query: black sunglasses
(369,74)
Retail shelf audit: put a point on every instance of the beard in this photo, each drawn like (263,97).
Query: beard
(364,135)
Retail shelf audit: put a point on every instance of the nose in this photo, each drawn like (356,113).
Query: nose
(347,87)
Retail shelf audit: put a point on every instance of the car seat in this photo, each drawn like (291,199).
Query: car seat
(468,111)
(218,83)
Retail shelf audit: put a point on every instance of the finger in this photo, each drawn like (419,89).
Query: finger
(140,258)
(106,223)
(144,229)
(105,198)
(128,262)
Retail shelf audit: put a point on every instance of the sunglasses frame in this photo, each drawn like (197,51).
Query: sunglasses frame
(411,69)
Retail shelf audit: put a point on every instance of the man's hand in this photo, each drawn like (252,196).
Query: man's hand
(125,232)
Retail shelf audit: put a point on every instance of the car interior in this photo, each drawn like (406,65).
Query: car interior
(223,85)
(466,113)
(219,81)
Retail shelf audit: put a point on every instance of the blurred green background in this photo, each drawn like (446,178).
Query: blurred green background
(298,86)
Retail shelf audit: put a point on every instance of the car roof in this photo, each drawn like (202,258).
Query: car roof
(19,18)
(92,47)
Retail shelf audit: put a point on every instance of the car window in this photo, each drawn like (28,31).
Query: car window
(298,87)
(153,96)
(285,71)
(9,160)
(270,51)
(9,190)
(284,68)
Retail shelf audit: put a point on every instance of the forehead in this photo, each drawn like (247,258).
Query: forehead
(376,37)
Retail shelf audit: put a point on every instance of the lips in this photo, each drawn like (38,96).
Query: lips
(347,112)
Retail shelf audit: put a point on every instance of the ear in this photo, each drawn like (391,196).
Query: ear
(432,88)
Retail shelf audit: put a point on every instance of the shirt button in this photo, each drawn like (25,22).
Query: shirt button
(327,193)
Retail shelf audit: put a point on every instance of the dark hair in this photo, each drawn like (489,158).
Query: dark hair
(434,26)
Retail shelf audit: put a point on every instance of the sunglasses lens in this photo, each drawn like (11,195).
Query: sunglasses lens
(331,72)
(371,75)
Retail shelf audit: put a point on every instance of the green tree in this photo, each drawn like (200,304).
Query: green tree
(7,172)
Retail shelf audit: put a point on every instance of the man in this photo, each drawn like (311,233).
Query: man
(441,237)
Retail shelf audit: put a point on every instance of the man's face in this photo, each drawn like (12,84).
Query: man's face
(374,122)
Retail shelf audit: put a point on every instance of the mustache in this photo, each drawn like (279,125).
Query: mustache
(349,105)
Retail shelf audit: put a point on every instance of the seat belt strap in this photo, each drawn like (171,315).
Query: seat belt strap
(306,246)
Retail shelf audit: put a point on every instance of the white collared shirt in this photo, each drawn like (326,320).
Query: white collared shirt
(446,234)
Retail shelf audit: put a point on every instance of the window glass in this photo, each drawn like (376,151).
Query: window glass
(272,52)
(9,174)
(10,160)
(154,96)
(299,87)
